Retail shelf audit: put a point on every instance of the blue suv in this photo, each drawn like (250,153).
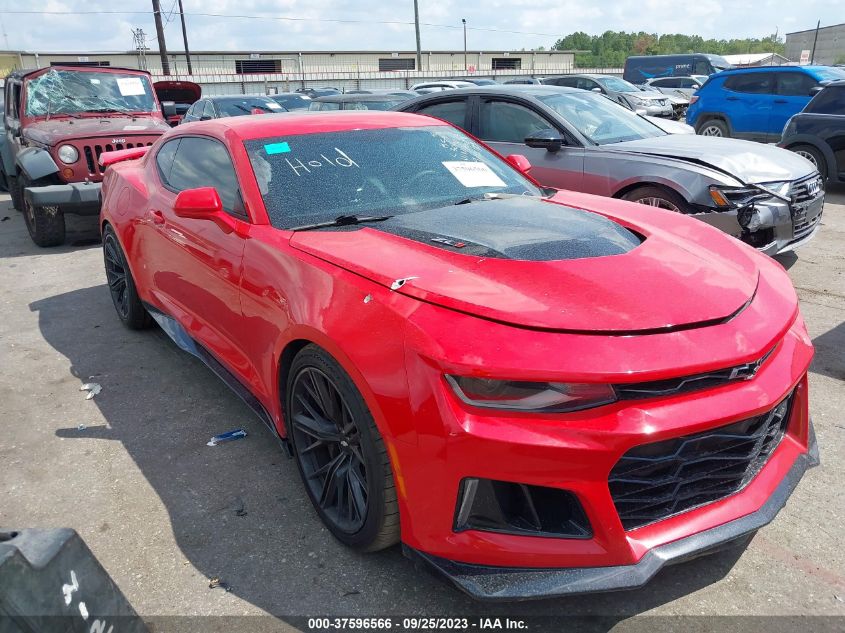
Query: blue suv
(756,103)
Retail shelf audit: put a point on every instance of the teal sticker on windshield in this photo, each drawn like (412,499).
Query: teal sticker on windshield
(276,148)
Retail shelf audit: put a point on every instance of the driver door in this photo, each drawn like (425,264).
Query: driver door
(504,124)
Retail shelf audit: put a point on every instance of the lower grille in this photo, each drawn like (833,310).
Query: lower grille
(803,227)
(655,481)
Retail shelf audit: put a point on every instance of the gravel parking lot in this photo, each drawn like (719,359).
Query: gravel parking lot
(164,513)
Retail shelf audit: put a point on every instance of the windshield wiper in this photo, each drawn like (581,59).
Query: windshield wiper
(483,197)
(343,220)
(107,110)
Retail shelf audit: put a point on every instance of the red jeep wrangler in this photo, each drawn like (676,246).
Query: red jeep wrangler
(58,121)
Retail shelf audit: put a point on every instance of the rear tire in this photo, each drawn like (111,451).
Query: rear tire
(340,453)
(46,225)
(713,127)
(124,295)
(814,156)
(658,197)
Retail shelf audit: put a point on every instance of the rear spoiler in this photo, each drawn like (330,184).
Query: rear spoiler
(110,158)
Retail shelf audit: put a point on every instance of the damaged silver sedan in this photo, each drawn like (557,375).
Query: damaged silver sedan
(768,197)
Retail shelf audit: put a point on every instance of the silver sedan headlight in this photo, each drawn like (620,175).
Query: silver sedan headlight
(68,154)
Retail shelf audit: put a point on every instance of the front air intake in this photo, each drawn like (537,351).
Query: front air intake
(520,509)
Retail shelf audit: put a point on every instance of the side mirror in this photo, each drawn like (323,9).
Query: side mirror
(168,109)
(597,89)
(205,117)
(548,139)
(519,162)
(203,203)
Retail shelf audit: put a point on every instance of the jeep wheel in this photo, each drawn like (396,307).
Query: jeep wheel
(714,127)
(46,225)
(16,192)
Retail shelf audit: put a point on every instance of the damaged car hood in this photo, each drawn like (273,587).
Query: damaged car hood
(750,162)
(54,130)
(538,264)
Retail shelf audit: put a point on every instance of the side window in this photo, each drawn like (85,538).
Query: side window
(702,67)
(828,101)
(751,83)
(687,83)
(455,112)
(795,84)
(208,110)
(665,83)
(505,122)
(568,82)
(164,159)
(203,162)
(14,100)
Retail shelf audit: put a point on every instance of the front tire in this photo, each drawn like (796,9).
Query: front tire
(814,156)
(46,225)
(658,197)
(714,127)
(340,453)
(124,295)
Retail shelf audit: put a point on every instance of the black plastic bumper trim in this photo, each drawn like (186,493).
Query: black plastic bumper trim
(73,197)
(511,583)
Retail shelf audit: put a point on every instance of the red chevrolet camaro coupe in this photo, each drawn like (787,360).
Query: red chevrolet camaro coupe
(538,393)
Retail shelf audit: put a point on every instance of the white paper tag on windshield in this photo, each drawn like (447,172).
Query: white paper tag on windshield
(471,174)
(130,86)
(274,106)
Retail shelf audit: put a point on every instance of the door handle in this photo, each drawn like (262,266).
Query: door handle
(157,216)
(780,100)
(731,98)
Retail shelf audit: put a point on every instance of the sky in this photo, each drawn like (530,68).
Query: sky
(105,25)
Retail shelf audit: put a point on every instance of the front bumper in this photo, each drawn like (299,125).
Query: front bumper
(80,198)
(508,583)
(659,110)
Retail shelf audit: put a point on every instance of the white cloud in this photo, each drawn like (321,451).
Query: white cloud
(542,22)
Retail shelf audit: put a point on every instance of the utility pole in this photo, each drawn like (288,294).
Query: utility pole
(162,47)
(417,27)
(139,39)
(185,39)
(815,39)
(466,66)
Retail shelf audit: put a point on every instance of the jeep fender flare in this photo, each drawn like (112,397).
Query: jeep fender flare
(36,163)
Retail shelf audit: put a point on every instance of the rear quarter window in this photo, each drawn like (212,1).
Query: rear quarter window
(751,83)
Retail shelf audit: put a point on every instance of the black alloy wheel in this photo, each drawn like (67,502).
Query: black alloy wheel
(329,449)
(340,453)
(125,297)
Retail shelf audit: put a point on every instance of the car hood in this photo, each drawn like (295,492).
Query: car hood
(537,264)
(647,96)
(748,161)
(67,129)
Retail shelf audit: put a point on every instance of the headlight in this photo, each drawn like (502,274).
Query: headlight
(638,101)
(68,154)
(540,397)
(780,188)
(730,197)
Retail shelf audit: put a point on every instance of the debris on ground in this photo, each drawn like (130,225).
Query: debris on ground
(93,388)
(5,217)
(216,582)
(226,437)
(240,511)
(354,592)
(81,427)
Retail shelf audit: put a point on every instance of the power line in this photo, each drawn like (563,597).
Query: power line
(290,19)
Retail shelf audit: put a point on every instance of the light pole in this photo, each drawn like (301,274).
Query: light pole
(417,29)
(465,43)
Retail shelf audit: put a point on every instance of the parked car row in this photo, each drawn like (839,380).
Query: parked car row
(581,141)
(537,392)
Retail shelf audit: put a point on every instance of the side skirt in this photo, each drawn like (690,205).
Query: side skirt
(188,344)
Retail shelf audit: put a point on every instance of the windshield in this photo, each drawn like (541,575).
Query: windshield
(617,85)
(829,73)
(293,102)
(240,107)
(72,91)
(599,119)
(310,178)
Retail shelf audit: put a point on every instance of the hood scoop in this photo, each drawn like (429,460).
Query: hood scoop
(516,228)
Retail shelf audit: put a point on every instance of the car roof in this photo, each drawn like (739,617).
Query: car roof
(235,97)
(246,128)
(753,69)
(506,89)
(356,97)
